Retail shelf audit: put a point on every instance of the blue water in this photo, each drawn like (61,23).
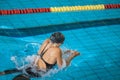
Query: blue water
(99,48)
(98,42)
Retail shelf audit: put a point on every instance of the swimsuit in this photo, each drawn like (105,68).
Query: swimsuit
(48,66)
(36,73)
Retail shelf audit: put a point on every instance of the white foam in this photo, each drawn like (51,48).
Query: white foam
(64,63)
(28,61)
(31,48)
(13,58)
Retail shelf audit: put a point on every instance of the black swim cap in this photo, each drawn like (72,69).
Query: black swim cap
(57,37)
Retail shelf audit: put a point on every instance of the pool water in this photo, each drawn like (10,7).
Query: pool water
(99,48)
(95,34)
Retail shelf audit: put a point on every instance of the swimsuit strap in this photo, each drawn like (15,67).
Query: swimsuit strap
(49,66)
(43,51)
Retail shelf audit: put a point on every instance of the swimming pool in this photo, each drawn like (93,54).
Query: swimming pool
(95,34)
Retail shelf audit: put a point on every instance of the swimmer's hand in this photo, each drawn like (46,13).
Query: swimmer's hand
(75,53)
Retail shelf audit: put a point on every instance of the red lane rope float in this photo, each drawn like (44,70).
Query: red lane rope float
(59,9)
(109,6)
(24,11)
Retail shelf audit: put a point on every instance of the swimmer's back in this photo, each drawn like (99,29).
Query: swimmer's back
(50,56)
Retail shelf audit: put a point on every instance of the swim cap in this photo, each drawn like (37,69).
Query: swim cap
(57,37)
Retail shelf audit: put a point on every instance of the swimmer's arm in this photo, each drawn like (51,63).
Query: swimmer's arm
(74,54)
(43,46)
(59,59)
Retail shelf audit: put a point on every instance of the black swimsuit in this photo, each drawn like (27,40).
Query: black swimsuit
(30,73)
(49,66)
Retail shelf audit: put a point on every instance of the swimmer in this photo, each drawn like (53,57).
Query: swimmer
(50,55)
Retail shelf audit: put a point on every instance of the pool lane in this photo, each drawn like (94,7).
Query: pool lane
(99,48)
(60,9)
(24,32)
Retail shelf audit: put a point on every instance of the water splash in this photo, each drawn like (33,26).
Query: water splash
(19,63)
(30,60)
(32,48)
(22,63)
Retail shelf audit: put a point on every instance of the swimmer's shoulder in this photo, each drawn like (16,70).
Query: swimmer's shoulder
(56,51)
(47,40)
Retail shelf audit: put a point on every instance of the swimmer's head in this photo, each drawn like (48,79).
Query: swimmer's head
(57,37)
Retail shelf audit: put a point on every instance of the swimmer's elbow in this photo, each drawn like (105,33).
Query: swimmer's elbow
(60,64)
(63,64)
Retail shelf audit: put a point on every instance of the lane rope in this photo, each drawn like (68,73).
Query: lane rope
(60,9)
